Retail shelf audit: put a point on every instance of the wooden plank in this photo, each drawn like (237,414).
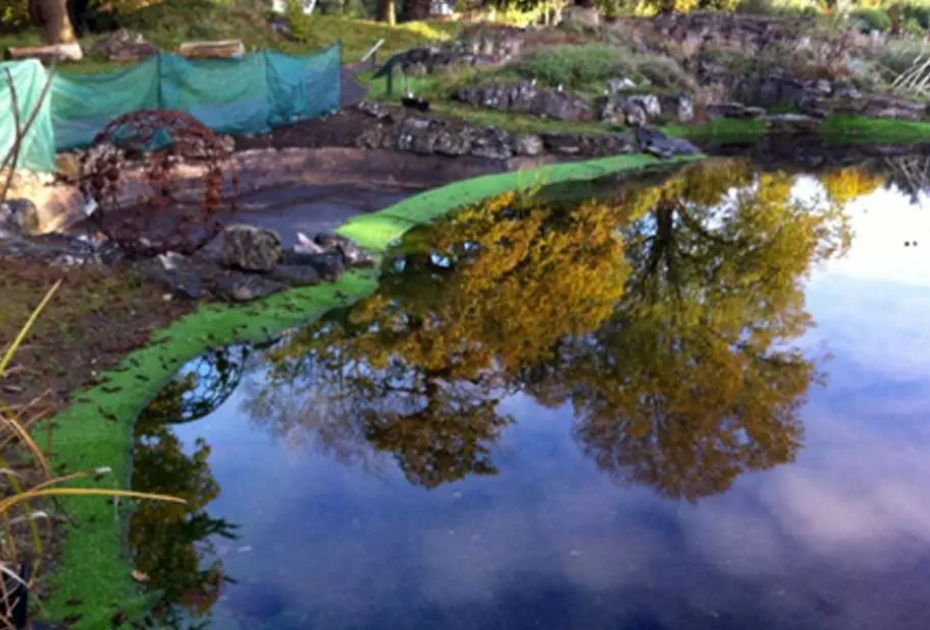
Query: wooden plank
(228,49)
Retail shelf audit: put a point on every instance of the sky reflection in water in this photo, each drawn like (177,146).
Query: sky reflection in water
(575,529)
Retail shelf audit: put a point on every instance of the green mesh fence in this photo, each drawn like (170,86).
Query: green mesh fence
(37,151)
(253,94)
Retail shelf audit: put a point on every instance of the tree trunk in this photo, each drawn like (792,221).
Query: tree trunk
(416,10)
(387,11)
(52,17)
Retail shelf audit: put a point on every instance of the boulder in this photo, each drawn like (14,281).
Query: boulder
(620,84)
(490,143)
(296,275)
(526,98)
(734,110)
(527,145)
(18,217)
(123,46)
(677,108)
(181,279)
(352,254)
(242,287)
(329,265)
(250,248)
(658,144)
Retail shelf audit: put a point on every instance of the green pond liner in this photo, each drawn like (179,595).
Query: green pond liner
(97,429)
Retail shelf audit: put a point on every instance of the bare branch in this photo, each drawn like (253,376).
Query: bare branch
(21,130)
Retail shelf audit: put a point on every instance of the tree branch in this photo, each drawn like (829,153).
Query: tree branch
(11,159)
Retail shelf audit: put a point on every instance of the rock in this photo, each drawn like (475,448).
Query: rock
(18,217)
(525,98)
(330,265)
(564,143)
(608,109)
(123,46)
(296,275)
(792,123)
(559,105)
(241,287)
(620,84)
(634,115)
(677,108)
(648,102)
(491,143)
(353,255)
(660,145)
(734,110)
(375,110)
(527,145)
(250,248)
(447,142)
(581,16)
(893,108)
(183,282)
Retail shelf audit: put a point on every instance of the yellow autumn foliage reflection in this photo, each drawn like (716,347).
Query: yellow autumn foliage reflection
(692,381)
(847,184)
(664,315)
(493,291)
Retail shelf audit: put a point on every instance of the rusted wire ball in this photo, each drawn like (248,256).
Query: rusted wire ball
(160,180)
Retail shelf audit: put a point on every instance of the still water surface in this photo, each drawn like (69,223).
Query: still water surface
(686,406)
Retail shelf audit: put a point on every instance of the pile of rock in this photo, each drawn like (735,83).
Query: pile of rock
(124,46)
(525,97)
(817,98)
(244,263)
(247,263)
(432,136)
(492,48)
(617,106)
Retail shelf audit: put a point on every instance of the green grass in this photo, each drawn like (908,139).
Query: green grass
(94,565)
(171,23)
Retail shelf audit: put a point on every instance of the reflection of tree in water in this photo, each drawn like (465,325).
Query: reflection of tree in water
(690,383)
(169,541)
(418,370)
(214,376)
(662,315)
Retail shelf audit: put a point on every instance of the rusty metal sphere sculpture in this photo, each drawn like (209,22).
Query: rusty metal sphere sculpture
(161,180)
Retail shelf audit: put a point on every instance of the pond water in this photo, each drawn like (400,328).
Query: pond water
(700,404)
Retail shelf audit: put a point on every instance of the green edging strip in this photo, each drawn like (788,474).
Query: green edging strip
(94,564)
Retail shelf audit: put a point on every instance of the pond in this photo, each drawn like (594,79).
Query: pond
(699,401)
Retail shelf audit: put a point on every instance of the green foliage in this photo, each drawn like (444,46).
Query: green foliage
(14,14)
(574,66)
(591,65)
(873,20)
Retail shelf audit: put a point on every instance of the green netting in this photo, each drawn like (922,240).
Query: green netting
(29,78)
(237,96)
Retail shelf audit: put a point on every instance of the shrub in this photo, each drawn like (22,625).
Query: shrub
(664,72)
(590,65)
(872,20)
(574,66)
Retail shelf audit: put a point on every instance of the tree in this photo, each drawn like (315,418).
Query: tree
(53,18)
(387,11)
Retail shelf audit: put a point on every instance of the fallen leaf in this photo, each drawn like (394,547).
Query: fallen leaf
(139,576)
